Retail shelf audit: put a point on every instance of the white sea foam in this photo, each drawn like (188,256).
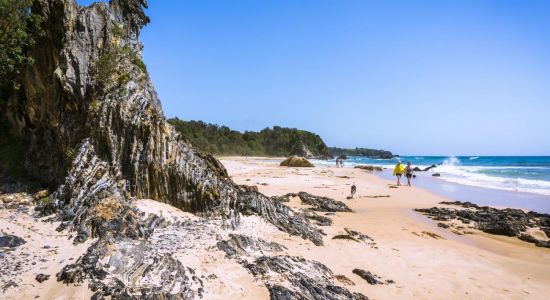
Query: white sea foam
(474,157)
(468,175)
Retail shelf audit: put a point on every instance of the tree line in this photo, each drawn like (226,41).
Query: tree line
(275,141)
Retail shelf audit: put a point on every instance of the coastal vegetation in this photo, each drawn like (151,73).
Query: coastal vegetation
(18,32)
(371,153)
(276,141)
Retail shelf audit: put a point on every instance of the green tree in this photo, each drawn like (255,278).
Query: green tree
(18,30)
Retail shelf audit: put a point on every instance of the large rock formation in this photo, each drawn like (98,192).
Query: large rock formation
(98,138)
(97,133)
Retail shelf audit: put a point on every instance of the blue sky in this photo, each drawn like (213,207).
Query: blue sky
(413,77)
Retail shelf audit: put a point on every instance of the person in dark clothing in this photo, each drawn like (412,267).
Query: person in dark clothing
(409,173)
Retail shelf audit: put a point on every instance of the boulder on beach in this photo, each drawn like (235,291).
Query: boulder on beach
(296,161)
(436,175)
(369,168)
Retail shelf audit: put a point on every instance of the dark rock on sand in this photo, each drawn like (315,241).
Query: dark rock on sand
(10,241)
(436,175)
(42,277)
(319,220)
(355,236)
(318,203)
(368,276)
(344,237)
(369,168)
(306,279)
(296,161)
(508,222)
(442,225)
(239,245)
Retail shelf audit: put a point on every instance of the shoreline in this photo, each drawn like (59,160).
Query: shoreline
(424,260)
(498,198)
(488,196)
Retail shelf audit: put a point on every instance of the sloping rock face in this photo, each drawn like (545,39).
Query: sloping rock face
(97,132)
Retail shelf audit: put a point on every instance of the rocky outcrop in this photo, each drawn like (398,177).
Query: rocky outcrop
(296,161)
(241,245)
(318,203)
(369,168)
(98,138)
(508,222)
(97,134)
(290,277)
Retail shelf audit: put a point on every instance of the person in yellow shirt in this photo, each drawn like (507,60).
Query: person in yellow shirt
(398,171)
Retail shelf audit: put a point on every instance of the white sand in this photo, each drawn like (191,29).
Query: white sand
(474,266)
(423,266)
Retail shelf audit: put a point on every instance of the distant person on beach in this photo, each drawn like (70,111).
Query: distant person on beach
(409,173)
(353,191)
(398,171)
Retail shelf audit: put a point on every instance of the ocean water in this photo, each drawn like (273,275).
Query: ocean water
(530,174)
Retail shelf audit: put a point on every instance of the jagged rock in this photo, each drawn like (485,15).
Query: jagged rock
(508,222)
(240,245)
(430,167)
(98,136)
(368,276)
(305,279)
(319,220)
(10,241)
(358,235)
(343,279)
(369,168)
(296,161)
(42,277)
(354,236)
(318,203)
(131,268)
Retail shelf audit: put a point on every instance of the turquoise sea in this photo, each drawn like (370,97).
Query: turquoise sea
(530,174)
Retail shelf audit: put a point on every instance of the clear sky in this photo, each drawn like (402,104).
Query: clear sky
(414,77)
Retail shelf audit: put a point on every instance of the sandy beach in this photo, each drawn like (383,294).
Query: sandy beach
(411,257)
(425,261)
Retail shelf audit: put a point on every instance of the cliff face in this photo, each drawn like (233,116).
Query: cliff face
(97,136)
(97,133)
